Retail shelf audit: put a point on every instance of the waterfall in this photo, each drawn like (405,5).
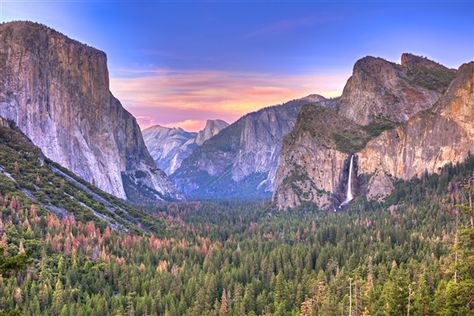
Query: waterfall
(349,195)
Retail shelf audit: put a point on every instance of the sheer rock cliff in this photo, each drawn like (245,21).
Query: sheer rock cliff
(56,90)
(399,120)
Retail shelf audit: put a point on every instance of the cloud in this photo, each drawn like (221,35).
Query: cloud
(188,125)
(184,98)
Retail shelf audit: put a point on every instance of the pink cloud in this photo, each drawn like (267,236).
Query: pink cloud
(169,97)
(188,125)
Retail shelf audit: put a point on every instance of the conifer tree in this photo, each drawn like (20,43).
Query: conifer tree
(225,306)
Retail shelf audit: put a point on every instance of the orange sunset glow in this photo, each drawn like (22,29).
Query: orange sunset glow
(187,98)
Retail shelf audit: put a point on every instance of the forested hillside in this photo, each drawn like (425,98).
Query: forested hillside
(32,178)
(412,254)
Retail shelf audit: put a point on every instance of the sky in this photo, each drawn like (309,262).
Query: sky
(179,63)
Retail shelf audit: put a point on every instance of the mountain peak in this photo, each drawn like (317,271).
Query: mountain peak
(370,64)
(169,146)
(382,89)
(408,60)
(31,33)
(155,127)
(212,128)
(457,102)
(215,123)
(314,98)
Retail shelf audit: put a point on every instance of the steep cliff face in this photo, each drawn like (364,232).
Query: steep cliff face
(212,128)
(170,146)
(241,161)
(429,140)
(379,89)
(57,92)
(313,159)
(392,117)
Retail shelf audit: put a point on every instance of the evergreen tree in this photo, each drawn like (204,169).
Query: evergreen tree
(225,306)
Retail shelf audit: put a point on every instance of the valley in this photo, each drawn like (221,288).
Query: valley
(185,198)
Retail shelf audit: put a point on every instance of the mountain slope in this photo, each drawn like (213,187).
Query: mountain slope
(380,99)
(57,92)
(240,161)
(27,174)
(170,146)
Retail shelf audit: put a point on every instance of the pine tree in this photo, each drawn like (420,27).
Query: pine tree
(237,304)
(421,299)
(307,307)
(249,298)
(225,306)
(280,291)
(58,299)
(459,297)
(395,293)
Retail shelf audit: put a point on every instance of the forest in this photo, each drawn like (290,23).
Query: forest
(410,255)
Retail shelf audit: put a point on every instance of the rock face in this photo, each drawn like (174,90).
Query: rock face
(399,120)
(240,161)
(212,128)
(379,89)
(170,146)
(428,141)
(57,92)
(312,161)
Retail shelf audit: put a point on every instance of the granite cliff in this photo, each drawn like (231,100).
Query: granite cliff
(398,119)
(56,90)
(429,140)
(240,161)
(170,146)
(312,159)
(379,89)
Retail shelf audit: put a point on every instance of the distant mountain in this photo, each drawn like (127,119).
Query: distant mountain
(240,161)
(397,120)
(56,90)
(170,146)
(212,128)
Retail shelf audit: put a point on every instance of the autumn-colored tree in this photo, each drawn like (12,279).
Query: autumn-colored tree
(224,309)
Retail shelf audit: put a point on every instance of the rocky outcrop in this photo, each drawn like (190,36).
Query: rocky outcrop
(170,146)
(241,161)
(57,92)
(429,140)
(380,186)
(212,128)
(314,158)
(4,122)
(379,89)
(399,120)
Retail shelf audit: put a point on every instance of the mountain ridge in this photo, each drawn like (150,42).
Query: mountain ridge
(241,161)
(169,146)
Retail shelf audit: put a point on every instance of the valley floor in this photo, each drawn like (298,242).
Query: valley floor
(411,254)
